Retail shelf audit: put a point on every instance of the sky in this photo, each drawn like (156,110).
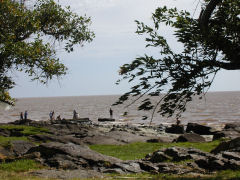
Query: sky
(93,69)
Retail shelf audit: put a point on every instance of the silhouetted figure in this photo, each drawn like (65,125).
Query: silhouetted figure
(53,115)
(59,117)
(74,114)
(125,113)
(25,115)
(21,116)
(50,115)
(111,112)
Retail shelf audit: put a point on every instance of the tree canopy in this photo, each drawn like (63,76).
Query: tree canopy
(23,40)
(210,42)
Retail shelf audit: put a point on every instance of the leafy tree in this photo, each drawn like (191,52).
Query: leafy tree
(210,43)
(23,40)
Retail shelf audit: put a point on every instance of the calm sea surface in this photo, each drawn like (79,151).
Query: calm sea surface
(218,108)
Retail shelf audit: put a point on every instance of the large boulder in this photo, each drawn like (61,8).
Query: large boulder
(232,127)
(159,156)
(164,167)
(128,166)
(211,164)
(72,156)
(20,147)
(175,129)
(190,137)
(232,145)
(229,133)
(199,129)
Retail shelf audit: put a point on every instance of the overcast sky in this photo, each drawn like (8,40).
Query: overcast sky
(93,69)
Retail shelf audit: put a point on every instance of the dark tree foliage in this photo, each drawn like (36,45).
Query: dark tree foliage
(23,45)
(211,43)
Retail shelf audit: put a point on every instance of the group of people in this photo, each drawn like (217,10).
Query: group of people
(52,115)
(23,116)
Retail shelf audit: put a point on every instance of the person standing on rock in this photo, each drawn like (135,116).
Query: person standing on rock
(59,117)
(74,114)
(50,115)
(25,115)
(21,116)
(53,115)
(111,113)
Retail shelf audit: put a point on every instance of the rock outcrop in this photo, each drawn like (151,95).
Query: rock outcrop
(190,137)
(199,129)
(175,129)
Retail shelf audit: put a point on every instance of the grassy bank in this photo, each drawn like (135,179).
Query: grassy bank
(19,169)
(221,175)
(140,150)
(25,130)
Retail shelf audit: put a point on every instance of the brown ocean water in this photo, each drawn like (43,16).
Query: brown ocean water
(218,108)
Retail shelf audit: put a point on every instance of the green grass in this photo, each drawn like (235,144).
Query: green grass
(26,130)
(140,150)
(20,165)
(221,175)
(6,175)
(4,141)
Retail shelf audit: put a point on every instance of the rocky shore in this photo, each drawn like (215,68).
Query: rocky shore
(64,148)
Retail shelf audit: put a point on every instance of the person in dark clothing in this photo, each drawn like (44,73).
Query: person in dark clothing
(25,115)
(53,115)
(50,115)
(111,112)
(21,115)
(74,114)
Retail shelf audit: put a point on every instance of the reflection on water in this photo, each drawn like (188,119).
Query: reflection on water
(219,107)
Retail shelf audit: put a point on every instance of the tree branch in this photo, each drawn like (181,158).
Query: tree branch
(206,14)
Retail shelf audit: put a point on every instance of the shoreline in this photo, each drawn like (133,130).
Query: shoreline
(64,146)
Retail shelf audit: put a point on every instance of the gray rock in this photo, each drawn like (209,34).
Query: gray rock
(231,134)
(232,164)
(227,146)
(20,147)
(148,166)
(113,171)
(211,164)
(62,139)
(172,168)
(159,156)
(63,162)
(199,129)
(175,129)
(177,153)
(129,166)
(190,137)
(231,155)
(81,155)
(232,127)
